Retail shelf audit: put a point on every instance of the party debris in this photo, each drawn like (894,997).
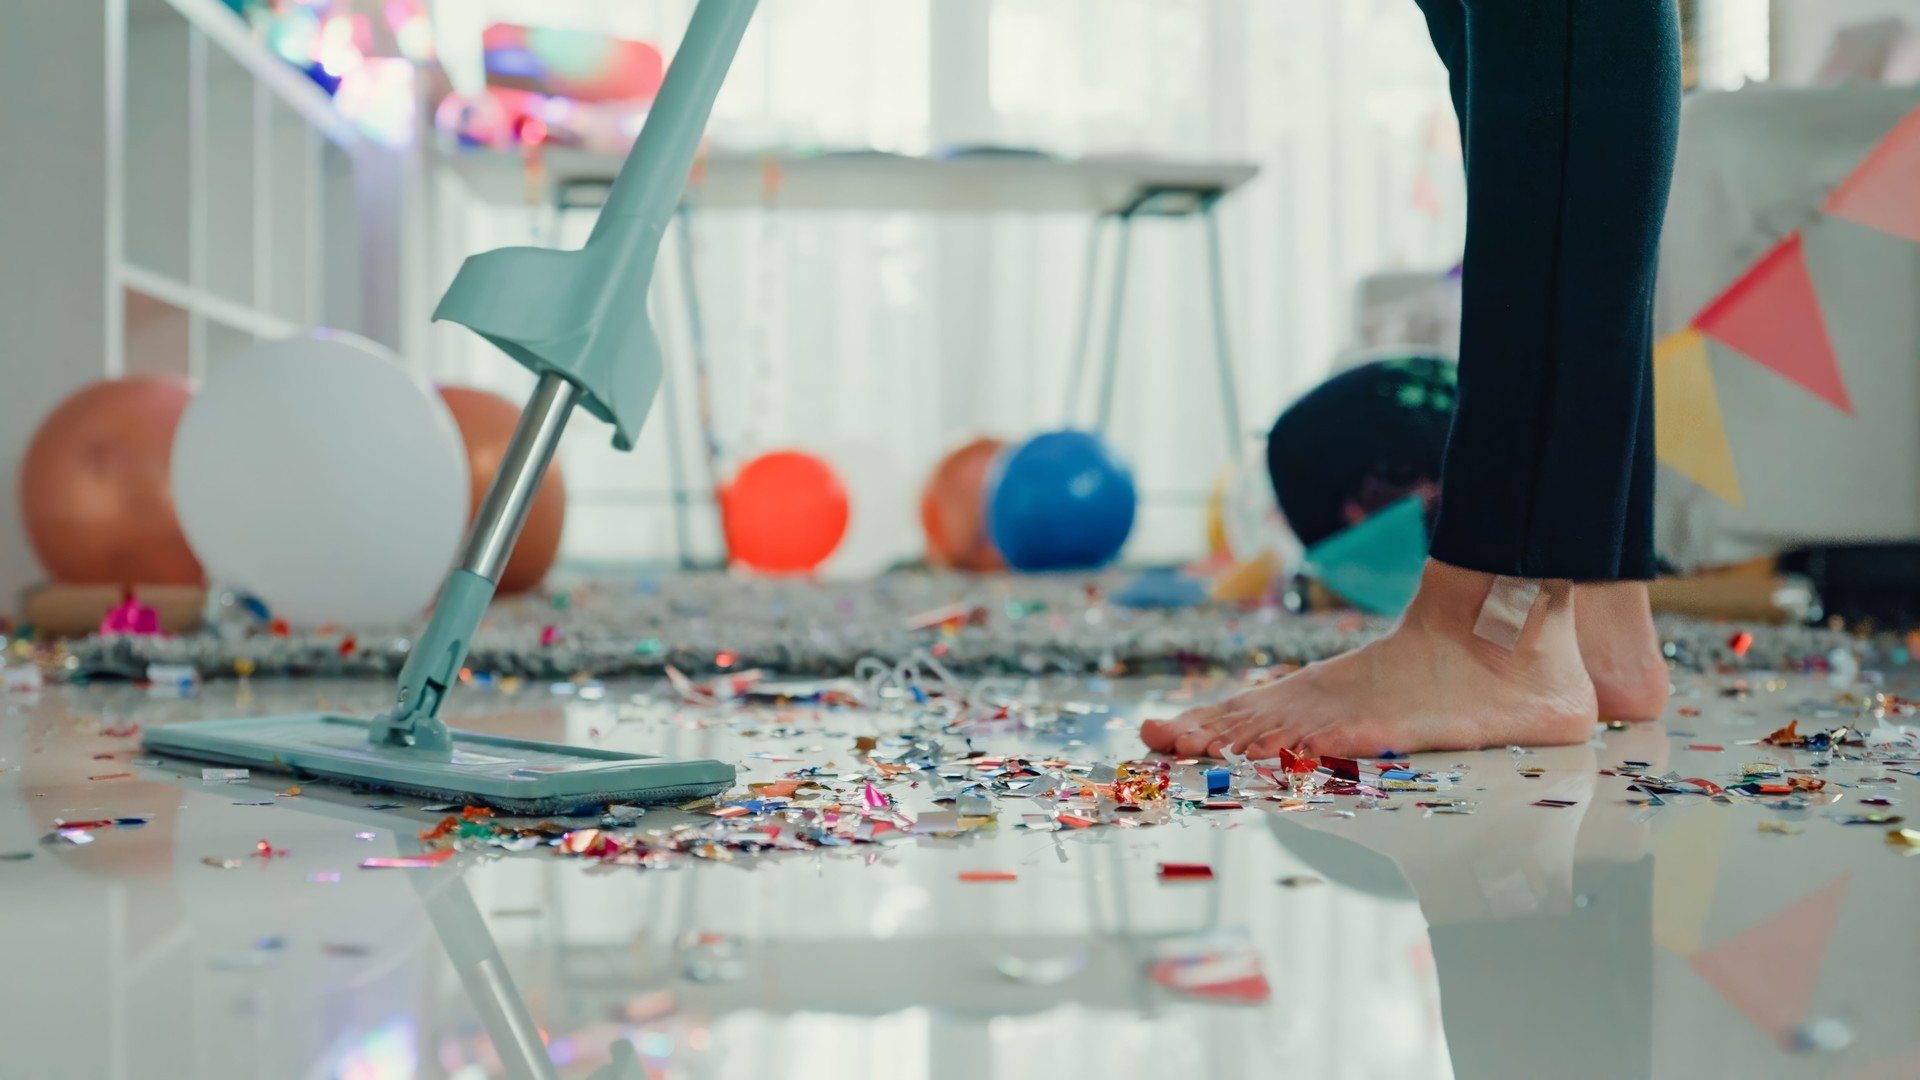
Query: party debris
(130,617)
(221,864)
(1295,881)
(1221,966)
(718,689)
(224,776)
(1185,872)
(408,862)
(1042,971)
(982,876)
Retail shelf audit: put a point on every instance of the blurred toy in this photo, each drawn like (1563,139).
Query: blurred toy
(1360,442)
(95,494)
(1376,564)
(1060,501)
(486,424)
(784,513)
(953,509)
(321,475)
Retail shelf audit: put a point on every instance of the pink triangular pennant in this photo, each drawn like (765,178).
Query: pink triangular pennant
(1772,317)
(1768,972)
(1883,192)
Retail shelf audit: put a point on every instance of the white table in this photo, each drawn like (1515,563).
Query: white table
(1115,190)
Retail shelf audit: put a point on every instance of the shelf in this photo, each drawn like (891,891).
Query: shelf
(219,309)
(230,34)
(875,181)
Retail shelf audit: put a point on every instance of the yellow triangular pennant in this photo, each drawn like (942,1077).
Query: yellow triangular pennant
(1688,430)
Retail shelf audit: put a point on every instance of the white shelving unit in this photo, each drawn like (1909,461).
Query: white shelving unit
(170,191)
(237,199)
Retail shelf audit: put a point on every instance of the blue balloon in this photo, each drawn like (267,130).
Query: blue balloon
(1059,501)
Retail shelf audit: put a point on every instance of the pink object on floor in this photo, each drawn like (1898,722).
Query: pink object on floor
(131,617)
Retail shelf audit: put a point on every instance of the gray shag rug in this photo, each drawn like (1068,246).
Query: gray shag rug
(707,622)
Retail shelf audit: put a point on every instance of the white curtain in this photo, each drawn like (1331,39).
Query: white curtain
(881,340)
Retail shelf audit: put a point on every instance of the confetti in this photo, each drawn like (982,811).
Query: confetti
(1296,881)
(224,776)
(1185,871)
(408,862)
(988,875)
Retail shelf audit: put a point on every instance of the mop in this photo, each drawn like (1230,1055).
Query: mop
(578,321)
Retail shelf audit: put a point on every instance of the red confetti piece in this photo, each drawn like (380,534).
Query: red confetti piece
(1185,871)
(1705,747)
(549,635)
(1740,643)
(279,628)
(1688,710)
(347,645)
(988,875)
(1076,821)
(112,776)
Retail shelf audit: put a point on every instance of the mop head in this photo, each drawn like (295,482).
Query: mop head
(515,776)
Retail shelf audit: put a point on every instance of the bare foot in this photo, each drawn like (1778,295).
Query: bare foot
(1428,685)
(1614,623)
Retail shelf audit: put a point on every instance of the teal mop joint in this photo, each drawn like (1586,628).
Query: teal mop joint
(578,321)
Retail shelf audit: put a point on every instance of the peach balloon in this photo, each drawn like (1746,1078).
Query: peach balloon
(486,424)
(95,489)
(953,509)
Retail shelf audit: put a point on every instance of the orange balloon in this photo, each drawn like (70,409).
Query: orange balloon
(95,489)
(486,425)
(784,513)
(953,509)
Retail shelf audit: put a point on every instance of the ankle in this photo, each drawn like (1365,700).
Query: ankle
(1450,600)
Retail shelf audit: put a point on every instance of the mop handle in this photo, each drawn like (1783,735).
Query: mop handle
(655,173)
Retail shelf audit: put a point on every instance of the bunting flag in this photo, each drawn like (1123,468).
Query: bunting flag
(1688,431)
(1884,191)
(1769,971)
(1772,317)
(1376,565)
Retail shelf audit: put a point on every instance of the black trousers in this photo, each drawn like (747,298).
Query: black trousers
(1569,112)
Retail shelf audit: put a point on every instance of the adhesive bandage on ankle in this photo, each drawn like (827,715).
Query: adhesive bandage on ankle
(1504,615)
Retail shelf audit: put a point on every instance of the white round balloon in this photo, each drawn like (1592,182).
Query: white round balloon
(319,475)
(1250,514)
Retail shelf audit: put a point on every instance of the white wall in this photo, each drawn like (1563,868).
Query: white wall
(54,314)
(1803,30)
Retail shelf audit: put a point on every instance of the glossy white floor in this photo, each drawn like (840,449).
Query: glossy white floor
(1522,941)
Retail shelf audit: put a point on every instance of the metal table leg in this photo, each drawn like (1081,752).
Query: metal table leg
(1114,319)
(702,382)
(1222,349)
(1083,340)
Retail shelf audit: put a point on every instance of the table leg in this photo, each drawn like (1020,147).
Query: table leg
(1222,349)
(1083,338)
(1114,319)
(702,383)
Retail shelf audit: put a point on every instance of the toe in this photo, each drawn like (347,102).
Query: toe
(1197,740)
(1241,736)
(1162,735)
(1275,738)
